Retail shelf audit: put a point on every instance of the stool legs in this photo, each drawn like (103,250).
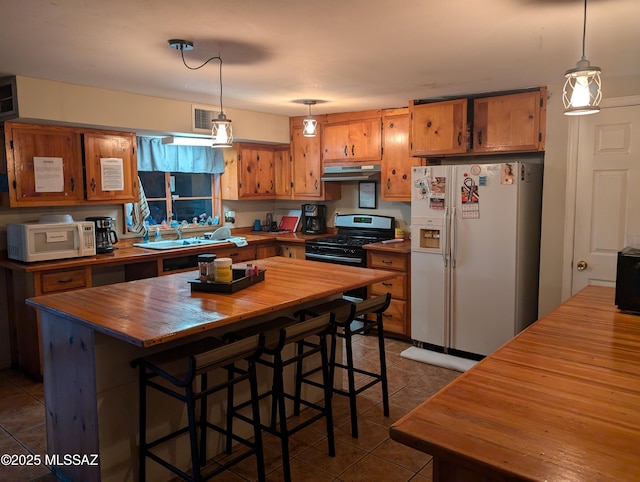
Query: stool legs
(383,368)
(142,423)
(257,430)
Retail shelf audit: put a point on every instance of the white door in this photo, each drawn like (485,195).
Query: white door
(607,193)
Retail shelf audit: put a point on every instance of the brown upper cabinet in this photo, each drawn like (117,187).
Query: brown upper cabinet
(352,136)
(396,163)
(62,166)
(249,172)
(306,165)
(492,124)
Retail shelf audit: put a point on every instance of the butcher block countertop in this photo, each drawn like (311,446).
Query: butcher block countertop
(157,310)
(560,402)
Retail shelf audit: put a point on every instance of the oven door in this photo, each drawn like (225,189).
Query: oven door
(327,254)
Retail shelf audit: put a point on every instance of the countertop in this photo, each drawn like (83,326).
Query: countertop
(403,247)
(561,401)
(157,310)
(125,252)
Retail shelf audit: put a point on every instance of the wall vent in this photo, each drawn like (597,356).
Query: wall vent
(201,118)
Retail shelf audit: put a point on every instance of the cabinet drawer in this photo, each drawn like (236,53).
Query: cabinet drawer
(394,319)
(63,280)
(396,286)
(387,261)
(238,255)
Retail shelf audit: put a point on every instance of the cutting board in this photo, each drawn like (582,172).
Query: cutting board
(288,223)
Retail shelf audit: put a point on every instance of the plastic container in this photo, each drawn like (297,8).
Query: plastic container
(206,267)
(222,270)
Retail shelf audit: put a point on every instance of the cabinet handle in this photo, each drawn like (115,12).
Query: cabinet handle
(459,138)
(387,315)
(388,285)
(404,176)
(479,138)
(346,153)
(388,183)
(272,185)
(353,150)
(387,262)
(73,185)
(64,281)
(316,184)
(93,184)
(248,168)
(233,254)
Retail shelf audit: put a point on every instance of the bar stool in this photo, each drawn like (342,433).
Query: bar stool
(280,333)
(179,369)
(348,312)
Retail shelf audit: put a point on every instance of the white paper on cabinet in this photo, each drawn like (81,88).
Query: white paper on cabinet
(112,174)
(49,174)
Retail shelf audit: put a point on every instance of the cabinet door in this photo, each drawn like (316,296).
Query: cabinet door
(396,162)
(283,166)
(111,167)
(507,123)
(364,140)
(438,128)
(335,139)
(307,165)
(256,173)
(44,165)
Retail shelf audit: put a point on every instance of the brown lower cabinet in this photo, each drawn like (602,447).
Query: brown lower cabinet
(397,318)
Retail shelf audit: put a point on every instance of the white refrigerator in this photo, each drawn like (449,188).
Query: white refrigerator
(475,252)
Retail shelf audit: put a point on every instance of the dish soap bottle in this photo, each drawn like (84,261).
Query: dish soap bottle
(157,236)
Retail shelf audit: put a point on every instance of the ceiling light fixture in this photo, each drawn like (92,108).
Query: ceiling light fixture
(186,141)
(582,90)
(221,130)
(309,123)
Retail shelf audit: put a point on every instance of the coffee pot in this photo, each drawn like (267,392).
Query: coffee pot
(314,219)
(106,237)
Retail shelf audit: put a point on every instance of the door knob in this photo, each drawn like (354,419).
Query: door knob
(582,265)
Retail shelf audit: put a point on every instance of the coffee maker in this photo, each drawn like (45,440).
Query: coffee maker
(106,237)
(314,219)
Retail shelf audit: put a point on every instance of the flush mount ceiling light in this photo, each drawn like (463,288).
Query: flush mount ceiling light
(582,90)
(221,130)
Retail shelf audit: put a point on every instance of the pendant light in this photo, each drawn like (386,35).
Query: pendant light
(221,129)
(309,123)
(582,90)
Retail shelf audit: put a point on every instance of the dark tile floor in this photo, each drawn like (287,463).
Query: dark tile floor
(371,457)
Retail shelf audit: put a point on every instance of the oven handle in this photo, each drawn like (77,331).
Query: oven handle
(323,257)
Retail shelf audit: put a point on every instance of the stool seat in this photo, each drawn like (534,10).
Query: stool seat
(270,330)
(181,367)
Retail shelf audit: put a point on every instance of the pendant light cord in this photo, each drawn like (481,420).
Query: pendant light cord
(218,58)
(584,33)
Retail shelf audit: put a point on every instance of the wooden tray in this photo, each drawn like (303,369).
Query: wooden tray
(240,281)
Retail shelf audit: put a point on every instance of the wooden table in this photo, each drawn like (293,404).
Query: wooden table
(561,401)
(90,336)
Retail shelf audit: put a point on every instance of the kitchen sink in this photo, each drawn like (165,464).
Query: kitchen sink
(180,243)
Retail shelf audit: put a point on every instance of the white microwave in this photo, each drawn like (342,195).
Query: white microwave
(45,241)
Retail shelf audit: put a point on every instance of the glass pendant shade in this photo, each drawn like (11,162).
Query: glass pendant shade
(309,124)
(221,132)
(582,90)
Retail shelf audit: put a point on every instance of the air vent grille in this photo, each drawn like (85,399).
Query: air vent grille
(201,119)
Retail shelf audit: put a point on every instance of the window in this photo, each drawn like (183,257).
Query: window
(178,196)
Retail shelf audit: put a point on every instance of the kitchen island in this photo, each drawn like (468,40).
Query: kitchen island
(90,336)
(561,401)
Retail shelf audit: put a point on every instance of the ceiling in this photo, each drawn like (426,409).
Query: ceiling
(353,54)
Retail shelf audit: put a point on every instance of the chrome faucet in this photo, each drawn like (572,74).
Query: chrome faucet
(178,229)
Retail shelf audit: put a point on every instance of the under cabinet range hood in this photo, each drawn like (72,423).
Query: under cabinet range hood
(368,172)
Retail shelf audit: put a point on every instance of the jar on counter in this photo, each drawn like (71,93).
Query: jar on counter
(206,267)
(223,272)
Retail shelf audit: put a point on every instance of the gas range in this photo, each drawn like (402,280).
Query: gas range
(354,231)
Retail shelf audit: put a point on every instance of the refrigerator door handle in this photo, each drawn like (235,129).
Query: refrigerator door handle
(445,241)
(454,237)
